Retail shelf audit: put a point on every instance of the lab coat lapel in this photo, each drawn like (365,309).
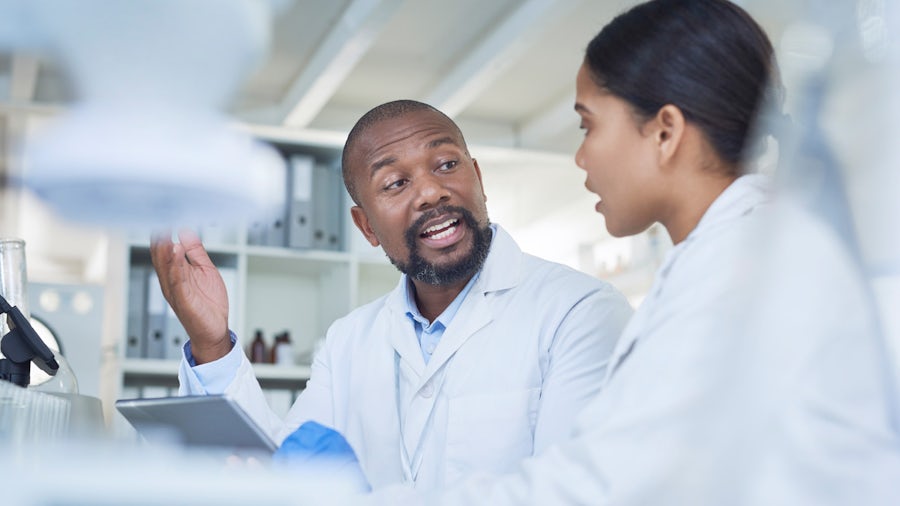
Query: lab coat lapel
(402,335)
(379,422)
(420,385)
(421,391)
(408,369)
(473,315)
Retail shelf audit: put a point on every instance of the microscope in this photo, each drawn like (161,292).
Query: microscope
(20,347)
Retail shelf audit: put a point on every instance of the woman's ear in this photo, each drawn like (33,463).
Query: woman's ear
(362,223)
(669,126)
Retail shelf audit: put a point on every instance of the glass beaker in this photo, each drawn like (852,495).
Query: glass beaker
(13,278)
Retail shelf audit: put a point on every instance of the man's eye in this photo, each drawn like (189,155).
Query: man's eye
(448,165)
(395,184)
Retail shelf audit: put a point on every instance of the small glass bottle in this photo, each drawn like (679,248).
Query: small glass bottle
(258,348)
(273,352)
(283,350)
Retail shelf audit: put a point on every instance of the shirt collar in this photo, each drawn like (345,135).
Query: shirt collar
(443,319)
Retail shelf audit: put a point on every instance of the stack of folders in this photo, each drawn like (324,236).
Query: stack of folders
(313,209)
(153,329)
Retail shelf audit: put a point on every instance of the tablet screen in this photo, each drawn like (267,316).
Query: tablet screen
(206,420)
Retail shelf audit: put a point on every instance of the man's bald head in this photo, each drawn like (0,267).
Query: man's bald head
(371,119)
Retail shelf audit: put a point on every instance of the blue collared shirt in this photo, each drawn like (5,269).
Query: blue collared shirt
(430,333)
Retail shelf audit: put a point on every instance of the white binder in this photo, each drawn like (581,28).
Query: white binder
(135,340)
(300,201)
(157,306)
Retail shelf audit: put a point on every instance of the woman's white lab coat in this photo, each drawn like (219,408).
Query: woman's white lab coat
(747,376)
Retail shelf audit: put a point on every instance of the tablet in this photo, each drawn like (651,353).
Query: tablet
(199,420)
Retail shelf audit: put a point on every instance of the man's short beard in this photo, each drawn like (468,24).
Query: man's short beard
(420,270)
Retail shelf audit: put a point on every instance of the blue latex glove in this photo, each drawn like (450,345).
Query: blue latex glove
(314,444)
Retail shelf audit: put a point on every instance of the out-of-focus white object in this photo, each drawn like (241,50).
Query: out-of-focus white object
(145,143)
(99,472)
(862,84)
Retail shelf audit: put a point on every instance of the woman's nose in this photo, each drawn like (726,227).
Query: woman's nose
(579,157)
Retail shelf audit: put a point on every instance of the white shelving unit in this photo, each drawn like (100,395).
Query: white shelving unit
(274,289)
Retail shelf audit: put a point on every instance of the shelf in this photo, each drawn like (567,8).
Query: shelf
(376,278)
(263,259)
(223,256)
(298,254)
(212,247)
(374,261)
(281,372)
(150,367)
(146,367)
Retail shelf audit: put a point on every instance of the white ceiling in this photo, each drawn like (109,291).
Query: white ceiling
(504,69)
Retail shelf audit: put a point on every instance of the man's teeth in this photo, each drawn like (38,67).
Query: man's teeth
(443,234)
(449,225)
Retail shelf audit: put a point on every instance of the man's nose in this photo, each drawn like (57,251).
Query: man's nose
(431,191)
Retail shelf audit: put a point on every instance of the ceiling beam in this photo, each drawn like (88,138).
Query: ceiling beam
(494,54)
(22,84)
(347,41)
(24,78)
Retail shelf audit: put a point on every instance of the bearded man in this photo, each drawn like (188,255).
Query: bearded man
(481,356)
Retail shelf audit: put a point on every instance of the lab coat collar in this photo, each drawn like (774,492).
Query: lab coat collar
(742,196)
(503,267)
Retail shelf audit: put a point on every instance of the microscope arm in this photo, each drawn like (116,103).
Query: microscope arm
(21,346)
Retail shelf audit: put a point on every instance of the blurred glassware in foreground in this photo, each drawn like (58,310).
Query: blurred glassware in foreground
(814,378)
(144,143)
(28,417)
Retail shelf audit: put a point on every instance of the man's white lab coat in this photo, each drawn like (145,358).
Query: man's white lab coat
(526,350)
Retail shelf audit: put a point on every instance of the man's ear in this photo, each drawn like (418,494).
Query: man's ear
(362,223)
(669,126)
(480,181)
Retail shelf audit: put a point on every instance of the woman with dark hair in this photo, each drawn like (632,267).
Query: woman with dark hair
(668,95)
(713,395)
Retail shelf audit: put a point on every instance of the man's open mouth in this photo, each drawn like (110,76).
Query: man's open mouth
(440,230)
